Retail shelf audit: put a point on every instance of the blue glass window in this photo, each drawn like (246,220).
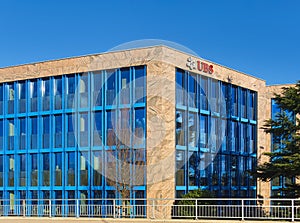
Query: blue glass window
(180,87)
(58,129)
(192,86)
(234,136)
(11,133)
(1,171)
(46,131)
(22,166)
(180,127)
(214,99)
(22,97)
(46,169)
(244,103)
(70,91)
(45,93)
(111,87)
(11,170)
(98,128)
(71,168)
(84,126)
(234,100)
(204,93)
(180,168)
(192,129)
(57,93)
(110,134)
(203,131)
(83,90)
(33,95)
(252,105)
(140,83)
(192,168)
(140,127)
(97,168)
(58,169)
(22,139)
(1,134)
(84,167)
(1,99)
(34,132)
(11,97)
(70,130)
(224,100)
(34,169)
(125,86)
(98,88)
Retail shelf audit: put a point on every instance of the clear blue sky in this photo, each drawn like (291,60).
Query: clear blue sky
(258,37)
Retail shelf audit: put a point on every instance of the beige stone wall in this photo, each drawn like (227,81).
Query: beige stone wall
(160,133)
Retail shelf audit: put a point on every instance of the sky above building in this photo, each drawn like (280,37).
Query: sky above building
(260,38)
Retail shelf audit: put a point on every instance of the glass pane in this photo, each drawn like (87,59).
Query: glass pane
(33,95)
(58,131)
(70,130)
(46,131)
(98,88)
(58,93)
(84,126)
(22,97)
(180,128)
(125,86)
(71,169)
(83,90)
(140,80)
(45,93)
(97,168)
(97,129)
(22,139)
(84,161)
(111,87)
(11,171)
(70,91)
(22,165)
(34,169)
(58,169)
(180,166)
(46,169)
(11,97)
(11,133)
(34,133)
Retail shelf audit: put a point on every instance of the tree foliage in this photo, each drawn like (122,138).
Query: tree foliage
(284,159)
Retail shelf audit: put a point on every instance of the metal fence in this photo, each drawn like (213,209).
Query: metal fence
(273,209)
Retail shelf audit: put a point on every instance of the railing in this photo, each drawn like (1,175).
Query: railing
(242,209)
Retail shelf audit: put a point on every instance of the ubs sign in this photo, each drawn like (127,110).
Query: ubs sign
(199,65)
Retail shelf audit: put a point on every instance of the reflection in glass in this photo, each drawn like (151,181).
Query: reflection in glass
(180,167)
(34,169)
(46,169)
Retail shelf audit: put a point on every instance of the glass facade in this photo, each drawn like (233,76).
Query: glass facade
(276,144)
(216,136)
(56,134)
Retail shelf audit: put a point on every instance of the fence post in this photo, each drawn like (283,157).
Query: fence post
(293,210)
(114,208)
(196,211)
(243,214)
(77,208)
(50,209)
(24,208)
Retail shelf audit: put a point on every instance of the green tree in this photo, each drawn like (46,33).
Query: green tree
(186,205)
(284,159)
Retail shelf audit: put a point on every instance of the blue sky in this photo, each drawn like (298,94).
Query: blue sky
(258,37)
